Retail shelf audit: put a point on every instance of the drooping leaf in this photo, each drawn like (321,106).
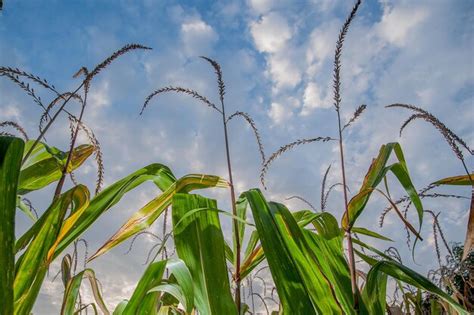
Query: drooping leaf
(172,289)
(376,173)
(364,231)
(11,152)
(409,276)
(184,281)
(325,223)
(144,217)
(46,166)
(159,174)
(463,180)
(200,244)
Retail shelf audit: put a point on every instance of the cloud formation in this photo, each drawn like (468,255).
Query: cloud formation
(277,62)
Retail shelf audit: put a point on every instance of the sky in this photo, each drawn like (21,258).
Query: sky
(276,58)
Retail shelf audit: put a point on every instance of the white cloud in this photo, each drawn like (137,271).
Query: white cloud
(270,33)
(284,70)
(312,99)
(198,37)
(321,44)
(99,97)
(260,6)
(398,23)
(279,113)
(324,5)
(10,112)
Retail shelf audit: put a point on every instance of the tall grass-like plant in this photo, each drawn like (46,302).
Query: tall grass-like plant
(457,145)
(41,165)
(375,175)
(312,272)
(225,120)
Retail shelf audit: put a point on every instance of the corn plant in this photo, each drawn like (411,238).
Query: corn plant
(458,146)
(304,251)
(41,165)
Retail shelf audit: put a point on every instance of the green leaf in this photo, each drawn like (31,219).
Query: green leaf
(241,207)
(32,265)
(364,231)
(144,217)
(411,277)
(142,303)
(25,209)
(174,290)
(200,244)
(184,280)
(374,292)
(309,271)
(325,223)
(46,167)
(72,291)
(159,174)
(253,255)
(11,152)
(120,307)
(374,176)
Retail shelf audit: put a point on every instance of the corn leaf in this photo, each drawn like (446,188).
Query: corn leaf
(374,292)
(364,231)
(409,276)
(32,265)
(11,152)
(183,290)
(374,176)
(72,291)
(241,207)
(463,180)
(120,308)
(46,167)
(306,280)
(142,303)
(144,217)
(200,244)
(20,204)
(159,174)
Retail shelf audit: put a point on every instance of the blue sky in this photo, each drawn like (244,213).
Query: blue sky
(277,61)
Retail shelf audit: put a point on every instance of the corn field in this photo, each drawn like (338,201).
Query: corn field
(313,258)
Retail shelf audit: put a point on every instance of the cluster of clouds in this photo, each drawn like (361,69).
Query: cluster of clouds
(277,60)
